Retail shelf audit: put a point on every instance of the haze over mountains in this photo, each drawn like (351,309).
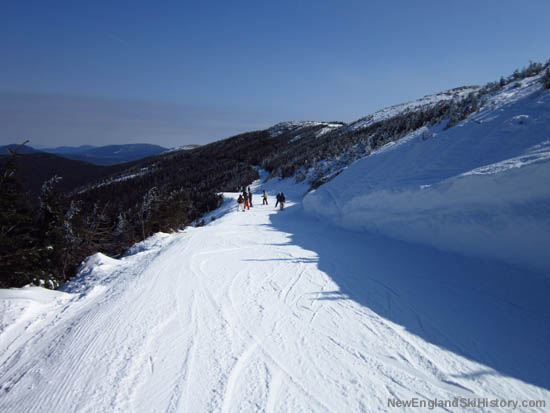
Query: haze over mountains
(102,155)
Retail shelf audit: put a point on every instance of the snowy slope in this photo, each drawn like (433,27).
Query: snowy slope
(296,126)
(480,187)
(418,104)
(273,311)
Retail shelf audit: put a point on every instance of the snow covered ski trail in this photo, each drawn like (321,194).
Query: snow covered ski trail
(244,314)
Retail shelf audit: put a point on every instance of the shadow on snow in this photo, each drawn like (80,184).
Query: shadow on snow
(486,311)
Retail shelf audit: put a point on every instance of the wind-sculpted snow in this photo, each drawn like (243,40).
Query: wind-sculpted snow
(479,188)
(271,310)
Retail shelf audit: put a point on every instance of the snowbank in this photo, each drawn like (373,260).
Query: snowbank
(21,309)
(479,188)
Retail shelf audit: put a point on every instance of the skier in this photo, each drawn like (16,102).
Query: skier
(250,197)
(245,197)
(282,201)
(278,198)
(264,196)
(240,201)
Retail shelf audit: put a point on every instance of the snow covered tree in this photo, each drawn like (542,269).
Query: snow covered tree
(51,216)
(123,233)
(97,233)
(72,230)
(70,222)
(147,210)
(52,233)
(454,114)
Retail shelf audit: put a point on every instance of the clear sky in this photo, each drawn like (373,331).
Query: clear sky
(180,72)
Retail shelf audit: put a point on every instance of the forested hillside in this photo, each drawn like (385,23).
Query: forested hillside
(33,169)
(166,192)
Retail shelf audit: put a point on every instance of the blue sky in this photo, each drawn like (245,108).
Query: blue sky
(180,72)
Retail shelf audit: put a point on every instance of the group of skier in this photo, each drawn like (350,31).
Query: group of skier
(280,200)
(244,201)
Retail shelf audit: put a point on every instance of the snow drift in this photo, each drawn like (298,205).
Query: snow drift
(479,188)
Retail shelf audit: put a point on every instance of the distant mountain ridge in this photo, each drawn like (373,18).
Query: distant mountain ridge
(67,149)
(76,165)
(6,149)
(110,154)
(33,168)
(97,155)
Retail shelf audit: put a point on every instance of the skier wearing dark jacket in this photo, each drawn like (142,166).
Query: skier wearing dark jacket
(240,201)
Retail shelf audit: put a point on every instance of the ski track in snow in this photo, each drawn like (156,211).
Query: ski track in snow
(231,317)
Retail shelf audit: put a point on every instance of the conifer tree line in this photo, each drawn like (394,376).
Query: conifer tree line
(44,242)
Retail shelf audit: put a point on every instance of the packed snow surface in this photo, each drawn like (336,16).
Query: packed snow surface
(274,311)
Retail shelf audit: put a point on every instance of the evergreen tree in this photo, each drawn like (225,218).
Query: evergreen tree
(147,211)
(72,230)
(52,234)
(98,231)
(19,253)
(546,78)
(123,233)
